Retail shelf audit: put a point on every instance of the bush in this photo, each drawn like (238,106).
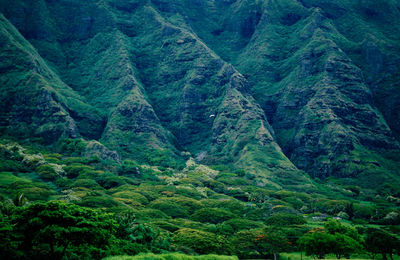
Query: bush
(127,194)
(53,157)
(32,190)
(86,183)
(12,166)
(294,202)
(331,207)
(150,214)
(200,242)
(170,208)
(189,192)
(109,180)
(212,215)
(283,219)
(239,224)
(46,172)
(76,169)
(73,147)
(165,225)
(362,211)
(189,204)
(97,201)
(129,167)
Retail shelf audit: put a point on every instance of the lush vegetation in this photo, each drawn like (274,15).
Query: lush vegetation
(58,205)
(207,129)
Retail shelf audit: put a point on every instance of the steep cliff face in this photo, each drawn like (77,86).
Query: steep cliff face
(266,86)
(34,101)
(321,107)
(323,73)
(322,104)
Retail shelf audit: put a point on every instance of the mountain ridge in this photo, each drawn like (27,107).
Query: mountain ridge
(145,81)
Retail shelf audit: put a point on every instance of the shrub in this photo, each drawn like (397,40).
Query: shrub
(283,219)
(46,172)
(72,146)
(294,202)
(127,194)
(12,166)
(189,204)
(129,167)
(109,180)
(189,192)
(86,183)
(53,157)
(199,241)
(97,201)
(212,215)
(231,205)
(170,208)
(331,207)
(257,214)
(362,211)
(239,224)
(165,225)
(76,169)
(32,190)
(150,214)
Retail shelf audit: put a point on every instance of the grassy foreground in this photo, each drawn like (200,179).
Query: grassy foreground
(172,256)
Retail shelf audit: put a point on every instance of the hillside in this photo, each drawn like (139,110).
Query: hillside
(202,114)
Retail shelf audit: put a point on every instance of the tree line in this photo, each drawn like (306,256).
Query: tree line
(62,230)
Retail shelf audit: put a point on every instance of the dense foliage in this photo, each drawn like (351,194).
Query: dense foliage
(194,211)
(160,129)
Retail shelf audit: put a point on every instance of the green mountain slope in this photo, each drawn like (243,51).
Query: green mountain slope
(320,71)
(269,87)
(235,127)
(35,102)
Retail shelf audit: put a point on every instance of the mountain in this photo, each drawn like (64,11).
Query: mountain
(275,88)
(228,127)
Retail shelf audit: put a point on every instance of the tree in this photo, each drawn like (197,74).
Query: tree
(244,243)
(54,229)
(271,242)
(260,243)
(317,243)
(8,240)
(333,227)
(344,246)
(381,242)
(335,238)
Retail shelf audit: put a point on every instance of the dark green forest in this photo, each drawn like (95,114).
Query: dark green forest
(199,129)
